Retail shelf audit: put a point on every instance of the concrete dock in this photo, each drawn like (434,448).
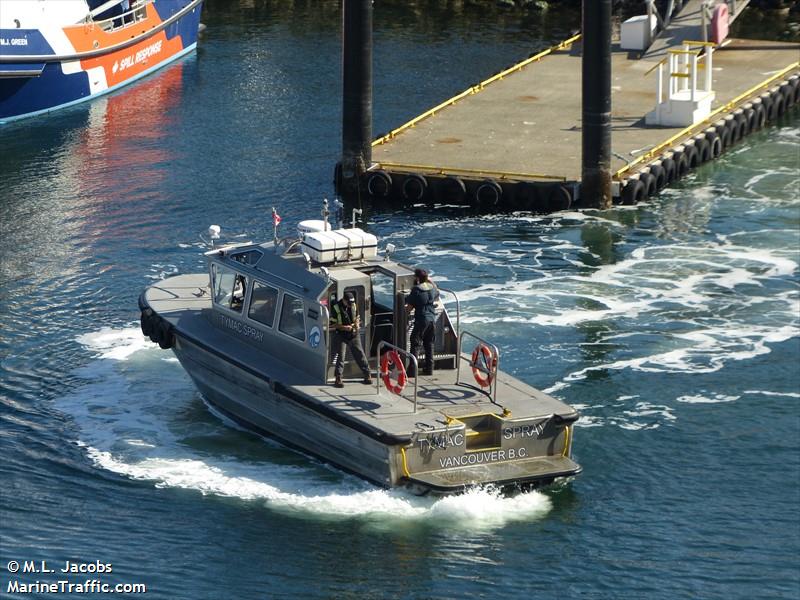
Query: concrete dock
(514,140)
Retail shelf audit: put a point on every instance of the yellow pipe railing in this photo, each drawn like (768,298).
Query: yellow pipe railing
(685,133)
(693,43)
(568,431)
(474,90)
(654,67)
(405,463)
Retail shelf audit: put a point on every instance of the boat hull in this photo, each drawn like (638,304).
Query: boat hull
(47,69)
(262,406)
(443,436)
(271,408)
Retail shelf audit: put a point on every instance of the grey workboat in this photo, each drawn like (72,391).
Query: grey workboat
(254,333)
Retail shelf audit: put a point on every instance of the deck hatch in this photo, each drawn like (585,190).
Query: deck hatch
(482,431)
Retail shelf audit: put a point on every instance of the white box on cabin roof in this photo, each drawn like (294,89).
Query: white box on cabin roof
(340,245)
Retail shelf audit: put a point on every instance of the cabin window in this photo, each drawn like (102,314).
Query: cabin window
(263,302)
(247,257)
(382,291)
(292,318)
(230,287)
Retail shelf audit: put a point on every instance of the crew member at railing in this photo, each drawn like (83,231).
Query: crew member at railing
(422,300)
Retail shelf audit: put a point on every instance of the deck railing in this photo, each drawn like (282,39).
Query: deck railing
(137,12)
(403,354)
(490,371)
(458,311)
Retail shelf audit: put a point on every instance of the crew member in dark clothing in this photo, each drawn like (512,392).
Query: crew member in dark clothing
(345,323)
(422,301)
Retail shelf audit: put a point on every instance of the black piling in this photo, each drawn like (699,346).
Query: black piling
(356,94)
(596,90)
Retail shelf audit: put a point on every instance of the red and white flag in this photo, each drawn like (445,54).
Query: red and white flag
(276,218)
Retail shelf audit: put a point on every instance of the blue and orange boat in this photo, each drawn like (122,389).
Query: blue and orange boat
(55,53)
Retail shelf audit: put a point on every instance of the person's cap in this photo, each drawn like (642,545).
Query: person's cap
(350,296)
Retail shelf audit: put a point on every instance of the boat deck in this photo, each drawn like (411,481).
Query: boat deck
(438,397)
(186,304)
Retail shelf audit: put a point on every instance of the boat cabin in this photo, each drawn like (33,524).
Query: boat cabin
(278,297)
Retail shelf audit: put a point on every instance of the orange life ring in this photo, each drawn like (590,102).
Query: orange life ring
(483,379)
(391,361)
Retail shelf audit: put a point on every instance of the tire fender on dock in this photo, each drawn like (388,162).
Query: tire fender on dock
(766,102)
(414,187)
(703,149)
(670,173)
(750,115)
(778,105)
(452,190)
(681,164)
(725,133)
(488,194)
(379,184)
(795,83)
(526,197)
(660,177)
(633,193)
(714,144)
(649,182)
(558,198)
(742,125)
(760,118)
(692,156)
(787,91)
(732,125)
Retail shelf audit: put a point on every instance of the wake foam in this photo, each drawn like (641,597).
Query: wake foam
(778,394)
(115,344)
(626,412)
(683,286)
(139,416)
(474,509)
(709,399)
(666,307)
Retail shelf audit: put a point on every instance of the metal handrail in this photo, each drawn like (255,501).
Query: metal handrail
(458,319)
(137,10)
(326,323)
(495,353)
(402,352)
(707,122)
(102,8)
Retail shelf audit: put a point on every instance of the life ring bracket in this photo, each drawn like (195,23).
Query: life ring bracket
(483,364)
(391,362)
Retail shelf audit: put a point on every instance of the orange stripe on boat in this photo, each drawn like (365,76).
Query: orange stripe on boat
(124,64)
